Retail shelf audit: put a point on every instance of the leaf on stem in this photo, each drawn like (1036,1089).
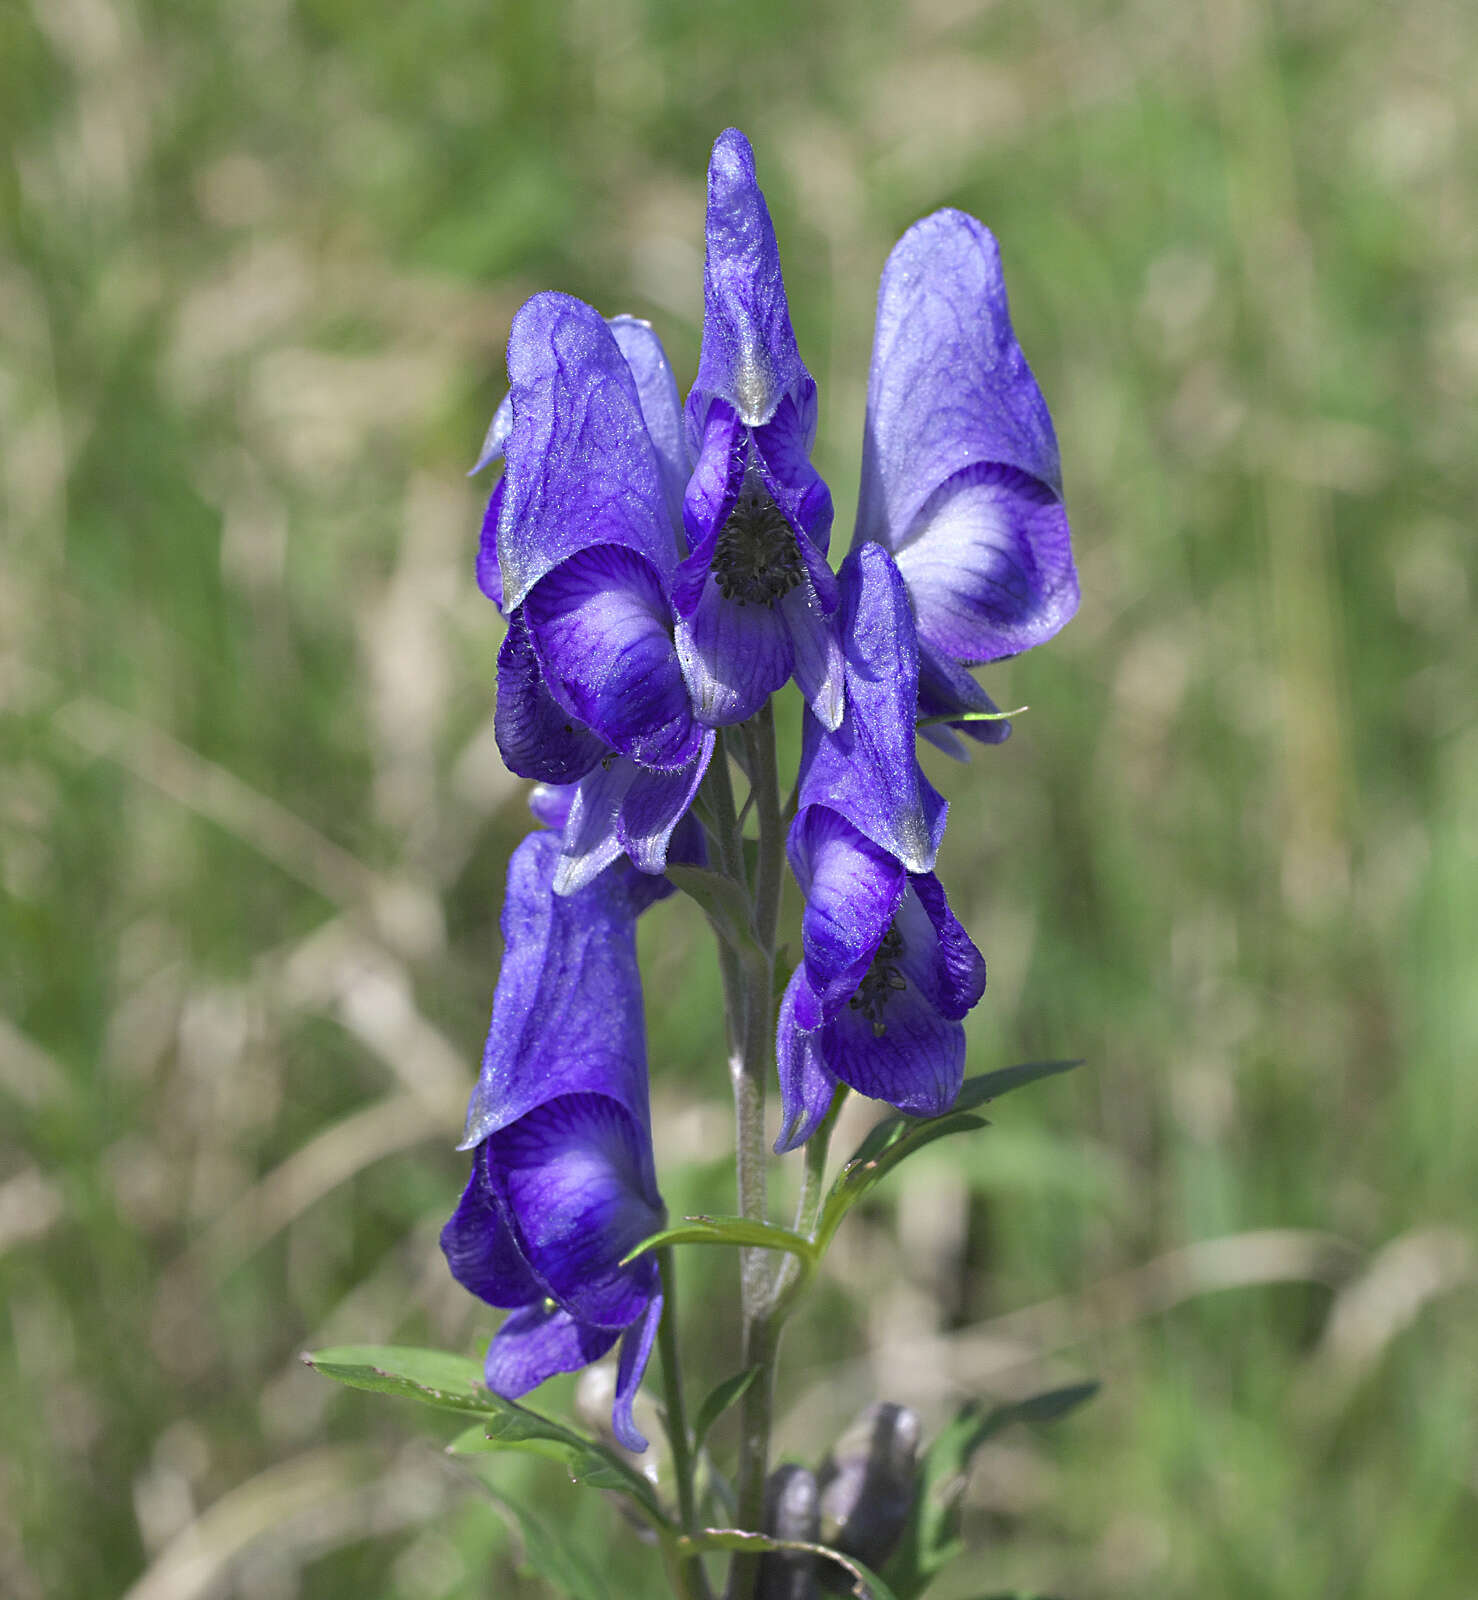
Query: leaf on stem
(931,1538)
(434,1377)
(992,1085)
(718,1401)
(739,1231)
(889,1143)
(897,1137)
(454,1383)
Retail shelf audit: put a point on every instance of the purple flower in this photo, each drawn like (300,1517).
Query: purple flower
(754,594)
(563,1180)
(616,805)
(960,472)
(887,971)
(887,975)
(584,524)
(578,547)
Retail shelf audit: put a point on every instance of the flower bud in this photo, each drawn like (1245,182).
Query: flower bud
(790,1513)
(867,1487)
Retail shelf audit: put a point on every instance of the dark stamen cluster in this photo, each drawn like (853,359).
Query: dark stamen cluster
(882,979)
(756,561)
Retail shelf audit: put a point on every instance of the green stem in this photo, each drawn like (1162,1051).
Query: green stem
(770,867)
(761,1330)
(688,1573)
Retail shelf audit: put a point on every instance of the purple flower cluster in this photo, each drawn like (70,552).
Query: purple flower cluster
(662,568)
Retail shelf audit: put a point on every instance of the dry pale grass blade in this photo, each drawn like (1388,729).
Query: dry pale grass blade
(1013,1351)
(337,970)
(314,1503)
(406,917)
(1378,1305)
(27,1072)
(331,1158)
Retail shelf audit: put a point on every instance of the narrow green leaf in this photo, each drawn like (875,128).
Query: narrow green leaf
(727,1230)
(549,1553)
(866,1584)
(434,1377)
(992,1085)
(888,1144)
(931,1539)
(719,1401)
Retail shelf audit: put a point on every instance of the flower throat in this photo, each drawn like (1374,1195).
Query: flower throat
(882,980)
(755,561)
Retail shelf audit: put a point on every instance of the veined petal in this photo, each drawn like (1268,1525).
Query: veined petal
(661,408)
(820,667)
(806,1082)
(567,1014)
(734,656)
(480,1249)
(914,1059)
(654,805)
(945,686)
(582,468)
(636,1351)
(749,355)
(537,737)
(590,842)
(949,386)
(938,954)
(867,770)
(603,631)
(988,561)
(538,1341)
(573,1180)
(853,888)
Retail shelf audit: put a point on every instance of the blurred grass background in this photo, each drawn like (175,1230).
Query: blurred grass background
(256,272)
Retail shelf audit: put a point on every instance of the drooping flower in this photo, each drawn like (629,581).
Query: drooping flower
(886,978)
(578,548)
(960,473)
(563,1179)
(754,595)
(887,972)
(586,543)
(616,804)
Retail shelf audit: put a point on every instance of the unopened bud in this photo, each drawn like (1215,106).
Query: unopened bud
(790,1513)
(867,1487)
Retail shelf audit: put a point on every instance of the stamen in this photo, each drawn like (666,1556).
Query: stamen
(881,980)
(755,561)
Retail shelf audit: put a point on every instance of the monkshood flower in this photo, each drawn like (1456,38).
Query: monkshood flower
(579,546)
(563,1180)
(755,595)
(960,473)
(887,972)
